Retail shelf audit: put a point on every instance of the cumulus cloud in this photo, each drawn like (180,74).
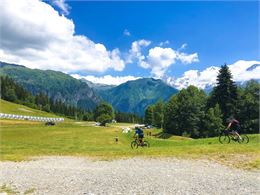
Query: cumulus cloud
(160,59)
(241,71)
(127,33)
(35,35)
(188,58)
(107,79)
(135,51)
(62,5)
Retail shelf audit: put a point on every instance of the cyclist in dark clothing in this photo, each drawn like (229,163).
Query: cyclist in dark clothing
(140,133)
(234,125)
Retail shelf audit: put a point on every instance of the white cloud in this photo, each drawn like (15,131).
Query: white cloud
(208,76)
(127,33)
(188,58)
(137,45)
(196,78)
(135,51)
(183,46)
(160,59)
(35,35)
(107,79)
(240,72)
(62,5)
(164,43)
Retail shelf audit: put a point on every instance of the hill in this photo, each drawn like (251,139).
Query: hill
(12,108)
(56,85)
(135,96)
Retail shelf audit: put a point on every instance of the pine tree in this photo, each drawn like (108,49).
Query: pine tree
(225,93)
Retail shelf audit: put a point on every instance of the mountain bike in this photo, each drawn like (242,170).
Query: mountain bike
(226,136)
(137,142)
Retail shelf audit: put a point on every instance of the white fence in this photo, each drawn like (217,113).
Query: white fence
(30,118)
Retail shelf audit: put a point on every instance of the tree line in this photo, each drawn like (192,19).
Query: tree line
(13,92)
(194,114)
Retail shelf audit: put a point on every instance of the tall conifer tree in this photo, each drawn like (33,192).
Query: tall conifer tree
(225,93)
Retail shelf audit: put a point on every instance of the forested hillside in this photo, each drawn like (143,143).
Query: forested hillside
(135,96)
(56,85)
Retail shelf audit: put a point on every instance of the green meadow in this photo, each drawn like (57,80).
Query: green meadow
(12,108)
(22,140)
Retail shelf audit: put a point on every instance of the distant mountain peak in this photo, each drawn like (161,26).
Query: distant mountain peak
(97,86)
(134,96)
(242,71)
(254,66)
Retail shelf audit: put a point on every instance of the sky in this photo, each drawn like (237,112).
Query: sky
(112,42)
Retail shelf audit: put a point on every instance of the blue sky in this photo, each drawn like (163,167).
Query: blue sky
(220,32)
(112,42)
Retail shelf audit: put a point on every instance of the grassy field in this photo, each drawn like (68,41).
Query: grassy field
(21,140)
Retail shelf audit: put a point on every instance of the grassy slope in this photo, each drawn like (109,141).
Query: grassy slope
(12,108)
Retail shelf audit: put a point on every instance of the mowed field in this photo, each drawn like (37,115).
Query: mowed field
(22,140)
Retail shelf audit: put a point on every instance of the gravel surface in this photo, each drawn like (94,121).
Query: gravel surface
(72,175)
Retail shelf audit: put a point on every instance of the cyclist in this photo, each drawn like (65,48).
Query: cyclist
(234,125)
(140,133)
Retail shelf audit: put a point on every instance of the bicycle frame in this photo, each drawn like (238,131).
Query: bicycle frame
(138,141)
(233,136)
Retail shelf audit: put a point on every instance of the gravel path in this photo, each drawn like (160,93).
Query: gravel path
(72,175)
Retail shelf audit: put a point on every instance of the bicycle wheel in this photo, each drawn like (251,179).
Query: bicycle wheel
(224,139)
(146,144)
(134,144)
(244,140)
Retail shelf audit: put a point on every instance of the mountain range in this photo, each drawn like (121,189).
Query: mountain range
(132,96)
(135,96)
